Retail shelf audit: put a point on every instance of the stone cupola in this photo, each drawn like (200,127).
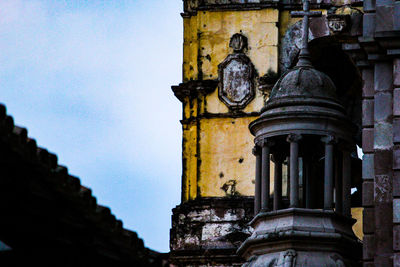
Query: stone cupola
(303,127)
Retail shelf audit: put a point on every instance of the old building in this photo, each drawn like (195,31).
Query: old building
(49,219)
(234,54)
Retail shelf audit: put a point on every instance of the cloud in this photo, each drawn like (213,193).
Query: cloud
(92,83)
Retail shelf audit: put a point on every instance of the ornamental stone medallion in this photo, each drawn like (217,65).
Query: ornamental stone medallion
(236,86)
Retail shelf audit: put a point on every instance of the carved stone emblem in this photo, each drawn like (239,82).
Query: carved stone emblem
(337,23)
(236,86)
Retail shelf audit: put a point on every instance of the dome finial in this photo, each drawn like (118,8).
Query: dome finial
(304,57)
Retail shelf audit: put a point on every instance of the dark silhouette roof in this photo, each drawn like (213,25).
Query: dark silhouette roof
(48,217)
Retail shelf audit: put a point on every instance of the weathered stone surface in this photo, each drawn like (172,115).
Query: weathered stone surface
(368,83)
(216,225)
(368,112)
(396,14)
(369,25)
(383,162)
(383,106)
(368,166)
(396,72)
(368,247)
(368,140)
(396,260)
(368,216)
(383,135)
(236,73)
(384,17)
(396,101)
(396,210)
(368,194)
(396,130)
(369,5)
(383,76)
(383,189)
(396,237)
(396,183)
(396,157)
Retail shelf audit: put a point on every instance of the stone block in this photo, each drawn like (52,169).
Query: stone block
(396,237)
(396,101)
(396,130)
(383,106)
(368,216)
(369,6)
(384,2)
(383,78)
(383,135)
(396,14)
(383,160)
(396,210)
(384,18)
(369,25)
(368,83)
(396,157)
(368,166)
(396,260)
(396,71)
(368,194)
(382,190)
(383,260)
(396,183)
(368,247)
(368,112)
(368,140)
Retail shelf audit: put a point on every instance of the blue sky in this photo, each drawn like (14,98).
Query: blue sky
(91,82)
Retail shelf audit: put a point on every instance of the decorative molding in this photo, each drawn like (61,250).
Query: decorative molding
(236,75)
(192,89)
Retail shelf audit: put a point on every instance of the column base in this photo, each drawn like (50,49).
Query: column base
(301,237)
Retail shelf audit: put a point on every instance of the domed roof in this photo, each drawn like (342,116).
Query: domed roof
(303,82)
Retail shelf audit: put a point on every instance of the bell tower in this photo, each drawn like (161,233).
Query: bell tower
(228,49)
(233,54)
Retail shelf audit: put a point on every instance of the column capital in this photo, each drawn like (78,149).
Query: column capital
(278,158)
(256,150)
(265,142)
(293,138)
(329,139)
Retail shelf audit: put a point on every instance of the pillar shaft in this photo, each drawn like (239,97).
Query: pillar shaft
(307,181)
(328,174)
(277,184)
(265,176)
(294,170)
(257,193)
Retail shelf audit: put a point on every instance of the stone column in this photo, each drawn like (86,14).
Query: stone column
(257,193)
(278,182)
(328,174)
(265,174)
(293,139)
(307,181)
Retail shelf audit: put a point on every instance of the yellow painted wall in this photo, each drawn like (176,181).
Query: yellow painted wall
(214,145)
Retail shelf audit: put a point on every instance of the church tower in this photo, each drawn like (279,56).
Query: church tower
(234,51)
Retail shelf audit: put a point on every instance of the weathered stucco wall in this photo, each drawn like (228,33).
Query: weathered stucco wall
(215,139)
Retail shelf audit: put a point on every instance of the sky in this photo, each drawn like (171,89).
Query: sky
(90,80)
